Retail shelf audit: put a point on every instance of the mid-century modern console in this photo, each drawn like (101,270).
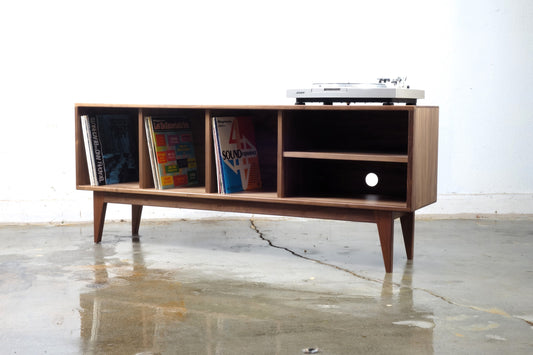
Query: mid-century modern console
(314,161)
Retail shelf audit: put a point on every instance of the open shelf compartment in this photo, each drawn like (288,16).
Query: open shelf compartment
(359,132)
(265,129)
(82,170)
(345,179)
(196,119)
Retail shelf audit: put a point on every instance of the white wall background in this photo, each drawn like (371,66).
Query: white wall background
(474,58)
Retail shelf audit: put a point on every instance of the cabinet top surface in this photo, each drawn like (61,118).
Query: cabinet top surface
(261,107)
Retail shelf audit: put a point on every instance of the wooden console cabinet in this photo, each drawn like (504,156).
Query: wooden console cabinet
(313,161)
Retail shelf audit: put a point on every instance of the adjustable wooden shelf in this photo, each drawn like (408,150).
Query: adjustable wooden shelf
(314,161)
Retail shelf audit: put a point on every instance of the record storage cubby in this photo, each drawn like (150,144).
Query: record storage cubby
(314,161)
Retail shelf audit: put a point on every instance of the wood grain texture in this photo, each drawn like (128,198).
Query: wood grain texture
(425,157)
(136,211)
(408,229)
(280,182)
(385,222)
(210,169)
(146,178)
(82,170)
(380,157)
(396,108)
(99,211)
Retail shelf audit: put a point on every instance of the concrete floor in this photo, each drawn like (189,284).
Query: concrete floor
(266,286)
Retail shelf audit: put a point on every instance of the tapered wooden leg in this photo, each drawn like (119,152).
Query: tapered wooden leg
(136,211)
(99,209)
(408,230)
(385,224)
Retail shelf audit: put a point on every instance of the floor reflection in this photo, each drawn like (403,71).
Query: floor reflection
(135,309)
(132,306)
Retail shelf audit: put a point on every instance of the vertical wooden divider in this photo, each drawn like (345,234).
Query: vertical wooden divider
(281,171)
(146,179)
(210,170)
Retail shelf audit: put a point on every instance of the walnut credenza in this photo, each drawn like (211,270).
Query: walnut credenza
(314,163)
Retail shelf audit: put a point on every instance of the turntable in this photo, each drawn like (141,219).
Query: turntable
(385,90)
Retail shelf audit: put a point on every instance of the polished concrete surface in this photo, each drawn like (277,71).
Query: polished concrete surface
(266,286)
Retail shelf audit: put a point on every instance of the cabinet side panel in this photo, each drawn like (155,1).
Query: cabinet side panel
(425,156)
(409,187)
(82,170)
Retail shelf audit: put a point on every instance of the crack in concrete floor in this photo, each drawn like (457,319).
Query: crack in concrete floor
(385,281)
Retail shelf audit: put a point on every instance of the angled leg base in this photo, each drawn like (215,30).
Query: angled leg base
(99,210)
(383,219)
(385,222)
(408,229)
(136,211)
